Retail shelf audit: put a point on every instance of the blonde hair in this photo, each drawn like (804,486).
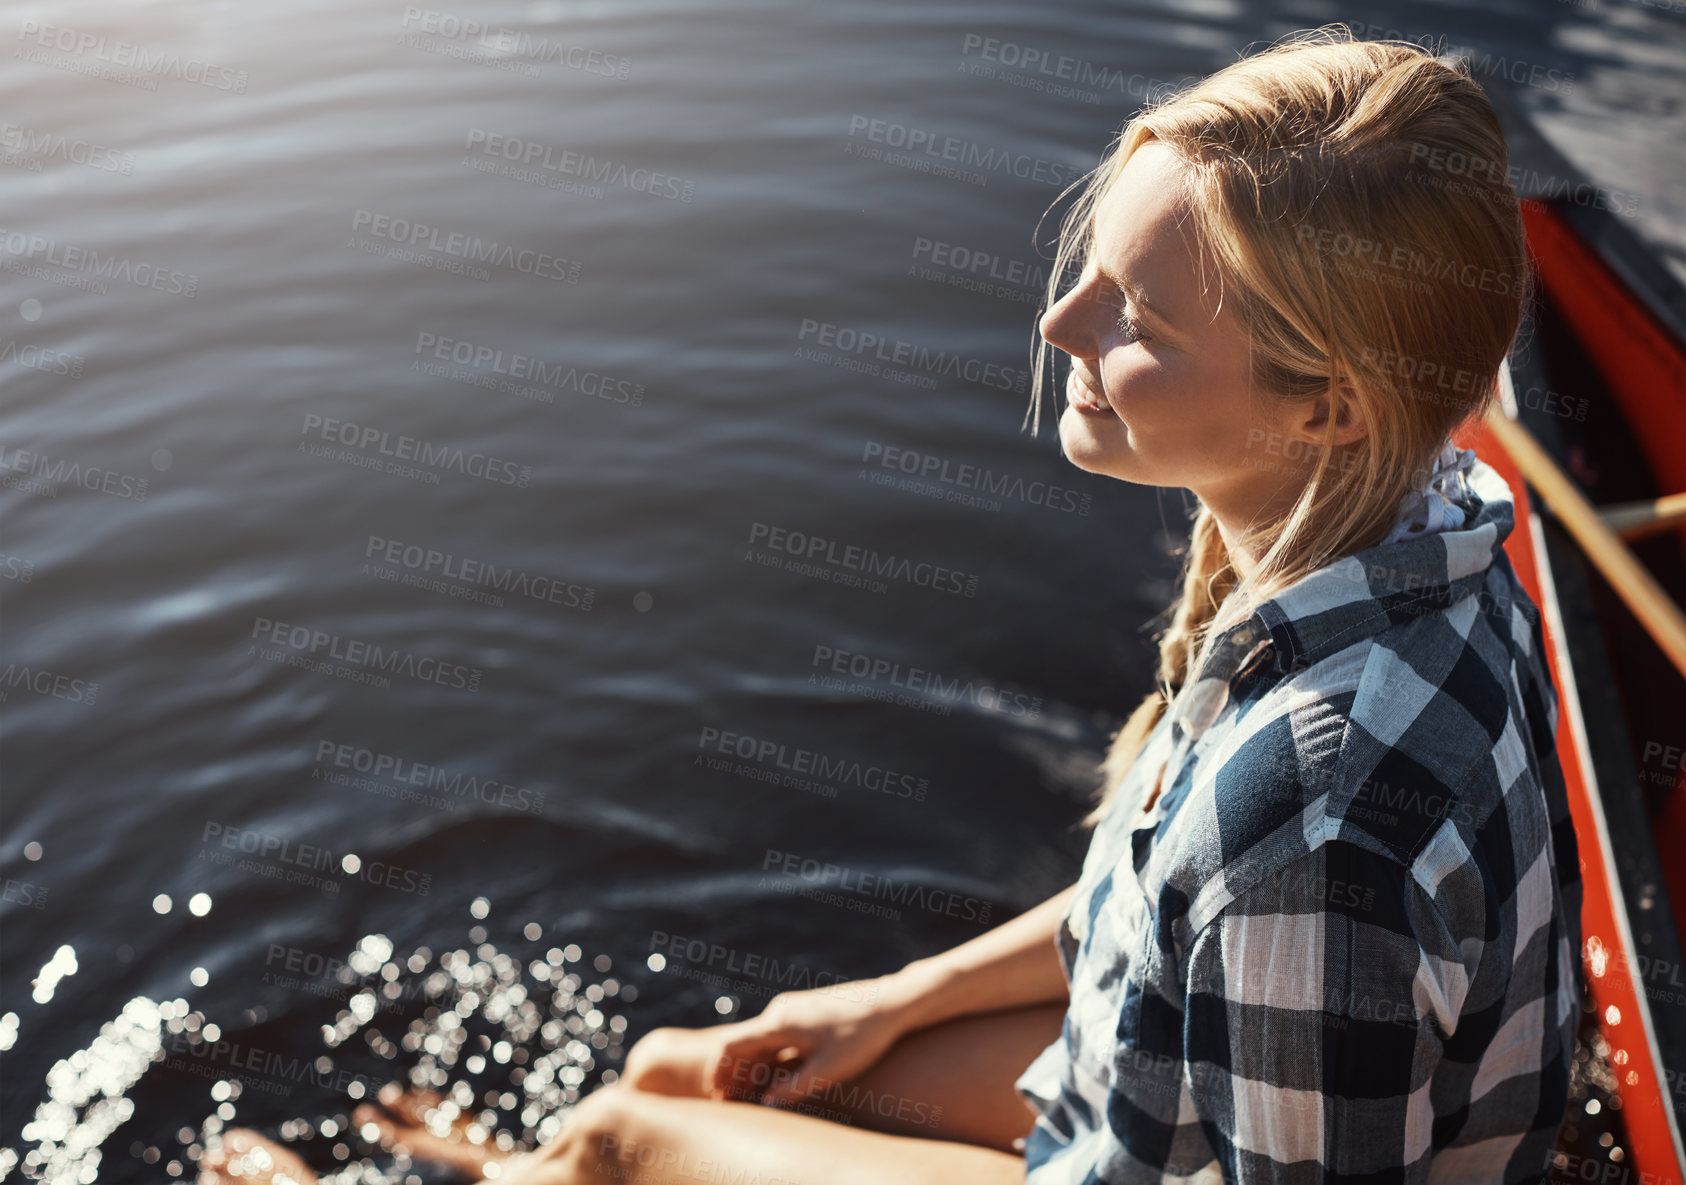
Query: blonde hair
(1354,199)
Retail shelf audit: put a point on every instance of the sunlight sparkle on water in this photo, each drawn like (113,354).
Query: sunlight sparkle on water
(512,1044)
(61,964)
(86,1099)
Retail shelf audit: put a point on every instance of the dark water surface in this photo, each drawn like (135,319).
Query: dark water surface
(540,465)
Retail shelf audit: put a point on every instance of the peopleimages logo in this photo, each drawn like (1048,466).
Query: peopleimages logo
(501,42)
(815,550)
(960,152)
(304,859)
(838,884)
(28,141)
(896,352)
(447,457)
(510,364)
(128,54)
(334,759)
(319,646)
(460,245)
(533,154)
(796,760)
(1043,71)
(777,973)
(224,1059)
(929,467)
(429,562)
(971,261)
(28,466)
(92,262)
(47,683)
(829,662)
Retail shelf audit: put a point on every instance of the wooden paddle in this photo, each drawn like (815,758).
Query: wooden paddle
(1641,520)
(1633,583)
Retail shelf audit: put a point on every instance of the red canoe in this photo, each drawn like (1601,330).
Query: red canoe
(1599,382)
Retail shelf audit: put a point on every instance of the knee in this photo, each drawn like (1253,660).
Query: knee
(601,1133)
(665,1061)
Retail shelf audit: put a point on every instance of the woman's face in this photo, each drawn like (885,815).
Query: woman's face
(1159,390)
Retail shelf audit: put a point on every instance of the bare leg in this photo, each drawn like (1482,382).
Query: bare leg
(954,1081)
(950,1084)
(951,1081)
(422,1133)
(938,1108)
(638,1138)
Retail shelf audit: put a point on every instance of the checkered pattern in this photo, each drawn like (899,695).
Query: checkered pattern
(1343,943)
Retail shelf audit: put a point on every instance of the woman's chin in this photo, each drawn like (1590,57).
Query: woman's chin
(1097,446)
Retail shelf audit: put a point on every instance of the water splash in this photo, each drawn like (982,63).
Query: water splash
(87,1098)
(511,1046)
(62,963)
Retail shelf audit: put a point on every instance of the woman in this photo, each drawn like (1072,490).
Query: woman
(1328,925)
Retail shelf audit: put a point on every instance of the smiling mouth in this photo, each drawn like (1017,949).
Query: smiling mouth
(1086,399)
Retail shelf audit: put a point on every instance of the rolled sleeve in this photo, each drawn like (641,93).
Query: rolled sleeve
(1308,1033)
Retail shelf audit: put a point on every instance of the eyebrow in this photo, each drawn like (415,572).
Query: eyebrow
(1131,290)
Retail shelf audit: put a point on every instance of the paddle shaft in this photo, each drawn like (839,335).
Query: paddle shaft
(1632,582)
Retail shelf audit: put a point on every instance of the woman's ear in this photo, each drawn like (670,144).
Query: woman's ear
(1310,421)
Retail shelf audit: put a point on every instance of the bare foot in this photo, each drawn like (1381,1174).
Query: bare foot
(246,1156)
(424,1125)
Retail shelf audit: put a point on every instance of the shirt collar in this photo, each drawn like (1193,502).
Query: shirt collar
(1358,596)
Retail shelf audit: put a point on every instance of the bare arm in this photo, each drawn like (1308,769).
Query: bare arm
(805,1039)
(1013,965)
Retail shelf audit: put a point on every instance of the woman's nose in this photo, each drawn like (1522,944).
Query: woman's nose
(1066,325)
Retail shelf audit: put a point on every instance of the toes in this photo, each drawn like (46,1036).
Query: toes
(216,1166)
(211,1166)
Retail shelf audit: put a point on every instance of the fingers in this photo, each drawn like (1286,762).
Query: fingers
(214,1165)
(747,1067)
(767,1043)
(407,1124)
(799,1083)
(672,1061)
(248,1156)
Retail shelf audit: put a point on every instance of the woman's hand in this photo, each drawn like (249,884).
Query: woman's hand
(799,1043)
(802,1042)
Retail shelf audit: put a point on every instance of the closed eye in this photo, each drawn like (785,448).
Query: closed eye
(1132,326)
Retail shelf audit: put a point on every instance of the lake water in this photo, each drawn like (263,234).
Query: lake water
(439,464)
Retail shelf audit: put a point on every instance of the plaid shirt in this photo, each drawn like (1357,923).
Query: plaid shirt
(1343,944)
